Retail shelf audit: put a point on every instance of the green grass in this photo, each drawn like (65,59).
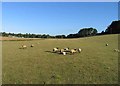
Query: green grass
(96,64)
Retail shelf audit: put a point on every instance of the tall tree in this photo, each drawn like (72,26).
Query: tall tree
(113,28)
(87,32)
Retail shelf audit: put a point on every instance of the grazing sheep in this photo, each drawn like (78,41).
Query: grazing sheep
(24,46)
(32,45)
(55,49)
(106,44)
(73,51)
(79,50)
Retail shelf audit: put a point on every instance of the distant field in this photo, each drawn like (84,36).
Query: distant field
(18,39)
(96,64)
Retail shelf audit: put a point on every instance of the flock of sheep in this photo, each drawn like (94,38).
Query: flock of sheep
(72,51)
(66,50)
(57,50)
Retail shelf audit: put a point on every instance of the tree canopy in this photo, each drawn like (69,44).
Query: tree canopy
(113,28)
(87,32)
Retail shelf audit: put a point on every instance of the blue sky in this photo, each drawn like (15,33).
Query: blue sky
(56,18)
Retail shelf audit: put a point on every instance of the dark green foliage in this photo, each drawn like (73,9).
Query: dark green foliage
(87,32)
(83,33)
(27,35)
(60,36)
(73,36)
(4,34)
(113,28)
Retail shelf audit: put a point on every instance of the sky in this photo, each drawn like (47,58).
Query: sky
(56,18)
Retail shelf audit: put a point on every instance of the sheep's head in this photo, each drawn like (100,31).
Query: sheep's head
(57,47)
(75,49)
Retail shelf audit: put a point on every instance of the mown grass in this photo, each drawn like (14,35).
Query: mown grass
(96,64)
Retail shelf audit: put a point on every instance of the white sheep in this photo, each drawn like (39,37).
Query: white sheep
(73,51)
(106,44)
(61,50)
(66,49)
(32,45)
(24,46)
(79,50)
(55,49)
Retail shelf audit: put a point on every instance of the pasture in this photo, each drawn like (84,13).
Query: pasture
(96,64)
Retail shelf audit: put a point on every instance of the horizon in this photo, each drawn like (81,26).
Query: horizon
(57,18)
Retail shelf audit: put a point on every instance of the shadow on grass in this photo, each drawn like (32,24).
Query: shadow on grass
(50,51)
(53,52)
(22,48)
(67,52)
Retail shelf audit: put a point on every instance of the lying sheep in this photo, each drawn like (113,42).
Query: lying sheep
(24,46)
(73,51)
(61,50)
(55,49)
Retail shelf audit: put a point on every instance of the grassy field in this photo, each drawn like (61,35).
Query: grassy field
(96,64)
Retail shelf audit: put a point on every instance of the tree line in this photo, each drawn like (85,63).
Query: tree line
(85,32)
(113,28)
(26,35)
